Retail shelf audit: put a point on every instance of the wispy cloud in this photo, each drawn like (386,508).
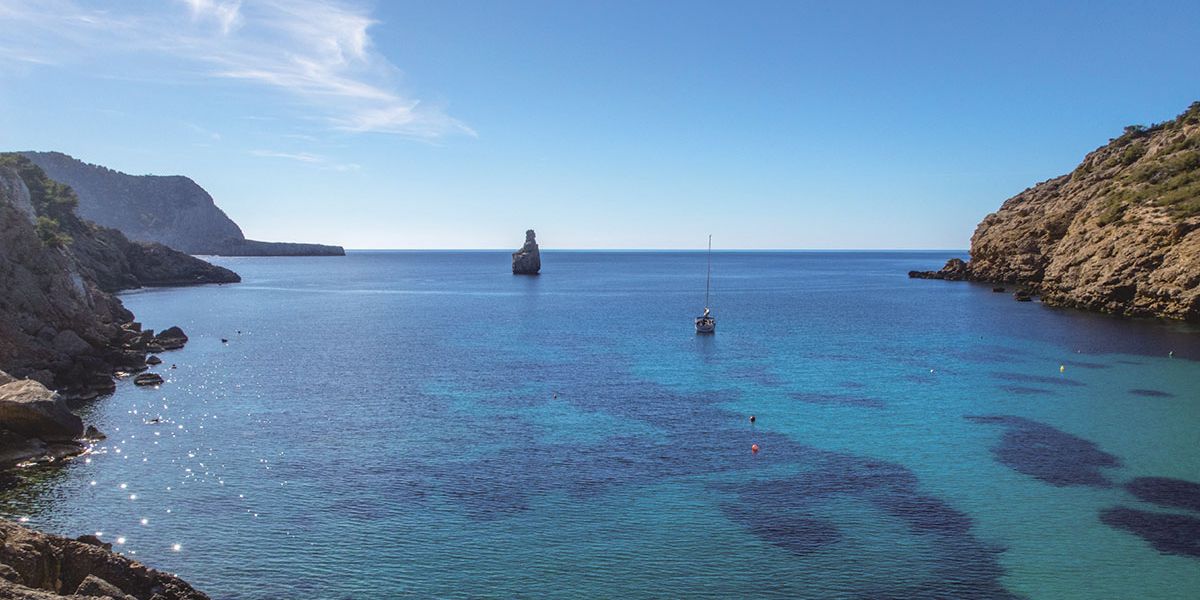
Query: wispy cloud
(319,52)
(307,158)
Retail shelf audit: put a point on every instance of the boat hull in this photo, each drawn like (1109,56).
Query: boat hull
(706,325)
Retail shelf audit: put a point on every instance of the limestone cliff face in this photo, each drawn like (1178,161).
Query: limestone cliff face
(59,323)
(171,210)
(1119,234)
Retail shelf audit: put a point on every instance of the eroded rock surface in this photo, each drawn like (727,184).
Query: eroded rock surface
(37,566)
(527,260)
(1119,234)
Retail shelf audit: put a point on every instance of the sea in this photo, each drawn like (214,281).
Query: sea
(404,424)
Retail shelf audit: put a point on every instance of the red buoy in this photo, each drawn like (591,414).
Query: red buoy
(754,448)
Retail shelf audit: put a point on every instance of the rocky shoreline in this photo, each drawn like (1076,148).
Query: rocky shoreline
(38,566)
(64,338)
(1120,234)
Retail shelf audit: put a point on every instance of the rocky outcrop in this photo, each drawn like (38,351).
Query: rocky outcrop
(1119,234)
(37,566)
(59,323)
(35,423)
(527,260)
(170,210)
(954,270)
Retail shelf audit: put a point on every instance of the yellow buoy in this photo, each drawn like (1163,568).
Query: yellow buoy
(1062,368)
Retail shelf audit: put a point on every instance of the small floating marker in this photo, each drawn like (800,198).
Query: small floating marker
(752,419)
(931,370)
(754,448)
(224,341)
(1171,354)
(1062,368)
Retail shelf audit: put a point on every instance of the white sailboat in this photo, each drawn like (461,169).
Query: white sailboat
(706,323)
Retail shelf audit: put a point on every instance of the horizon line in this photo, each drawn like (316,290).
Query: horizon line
(715,250)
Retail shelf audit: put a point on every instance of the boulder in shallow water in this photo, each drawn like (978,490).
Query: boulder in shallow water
(153,360)
(148,379)
(171,338)
(955,269)
(29,409)
(527,260)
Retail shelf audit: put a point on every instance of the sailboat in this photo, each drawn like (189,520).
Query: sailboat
(706,323)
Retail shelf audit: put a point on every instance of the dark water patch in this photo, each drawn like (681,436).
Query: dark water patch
(837,399)
(990,354)
(1147,393)
(1166,491)
(797,533)
(1167,532)
(1085,365)
(781,512)
(693,437)
(1124,361)
(1048,454)
(852,385)
(1038,379)
(760,374)
(923,379)
(1021,390)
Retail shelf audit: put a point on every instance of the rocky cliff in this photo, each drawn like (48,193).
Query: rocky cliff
(1119,234)
(527,260)
(36,566)
(59,323)
(171,210)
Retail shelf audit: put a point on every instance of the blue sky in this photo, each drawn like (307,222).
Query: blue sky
(602,125)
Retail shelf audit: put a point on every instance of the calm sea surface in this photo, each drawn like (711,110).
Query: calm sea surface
(424,424)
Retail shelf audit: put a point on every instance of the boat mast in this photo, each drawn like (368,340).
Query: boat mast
(708,279)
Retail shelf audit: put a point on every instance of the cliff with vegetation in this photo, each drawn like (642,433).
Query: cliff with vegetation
(1119,234)
(59,322)
(171,210)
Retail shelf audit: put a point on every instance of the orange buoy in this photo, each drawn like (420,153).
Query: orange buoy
(754,448)
(751,418)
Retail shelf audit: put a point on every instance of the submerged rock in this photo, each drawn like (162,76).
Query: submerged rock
(527,260)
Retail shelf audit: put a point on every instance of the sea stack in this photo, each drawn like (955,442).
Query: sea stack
(527,260)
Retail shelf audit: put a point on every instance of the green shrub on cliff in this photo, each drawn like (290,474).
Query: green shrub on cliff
(50,198)
(48,229)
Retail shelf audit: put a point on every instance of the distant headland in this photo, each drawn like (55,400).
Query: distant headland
(171,210)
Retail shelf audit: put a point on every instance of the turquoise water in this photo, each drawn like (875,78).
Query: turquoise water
(424,424)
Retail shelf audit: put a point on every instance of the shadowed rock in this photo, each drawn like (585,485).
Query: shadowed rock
(527,260)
